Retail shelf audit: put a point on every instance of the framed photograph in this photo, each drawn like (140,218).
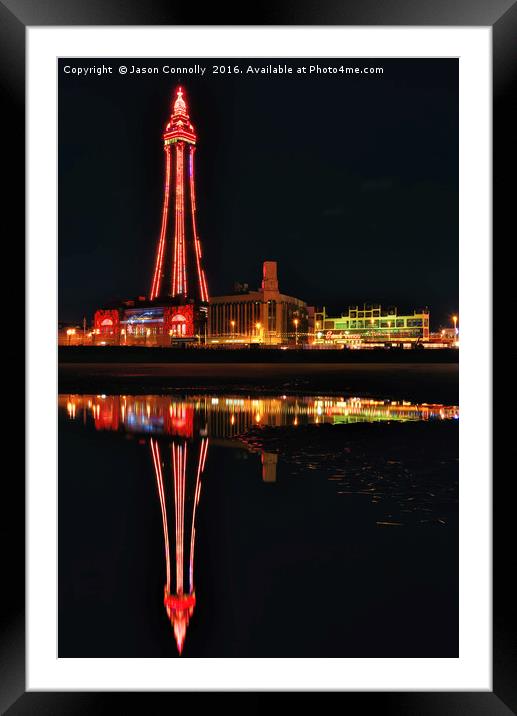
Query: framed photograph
(259,394)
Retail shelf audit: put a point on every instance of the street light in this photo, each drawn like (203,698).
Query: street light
(232,323)
(296,330)
(70,332)
(258,326)
(123,333)
(455,321)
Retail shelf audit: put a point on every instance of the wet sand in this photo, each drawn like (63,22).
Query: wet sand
(422,382)
(396,473)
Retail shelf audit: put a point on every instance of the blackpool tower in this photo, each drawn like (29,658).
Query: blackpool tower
(178,270)
(176,308)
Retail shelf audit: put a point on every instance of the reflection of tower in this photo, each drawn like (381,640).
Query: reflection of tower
(178,270)
(179,600)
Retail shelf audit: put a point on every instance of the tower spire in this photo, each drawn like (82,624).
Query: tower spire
(180,106)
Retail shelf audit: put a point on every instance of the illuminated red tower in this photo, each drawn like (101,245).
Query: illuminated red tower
(179,592)
(178,271)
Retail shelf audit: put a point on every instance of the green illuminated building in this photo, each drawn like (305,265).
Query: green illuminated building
(371,324)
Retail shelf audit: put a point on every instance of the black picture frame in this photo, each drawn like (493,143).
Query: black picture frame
(15,16)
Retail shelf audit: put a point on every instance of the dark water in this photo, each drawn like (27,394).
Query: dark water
(225,525)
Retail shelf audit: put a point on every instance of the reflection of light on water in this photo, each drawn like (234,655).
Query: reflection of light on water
(178,430)
(231,415)
(234,401)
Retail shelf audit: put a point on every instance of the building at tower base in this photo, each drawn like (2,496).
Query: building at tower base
(141,322)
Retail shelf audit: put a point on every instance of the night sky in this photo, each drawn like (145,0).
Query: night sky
(350,182)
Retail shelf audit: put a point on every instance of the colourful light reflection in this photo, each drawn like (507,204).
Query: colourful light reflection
(178,430)
(228,416)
